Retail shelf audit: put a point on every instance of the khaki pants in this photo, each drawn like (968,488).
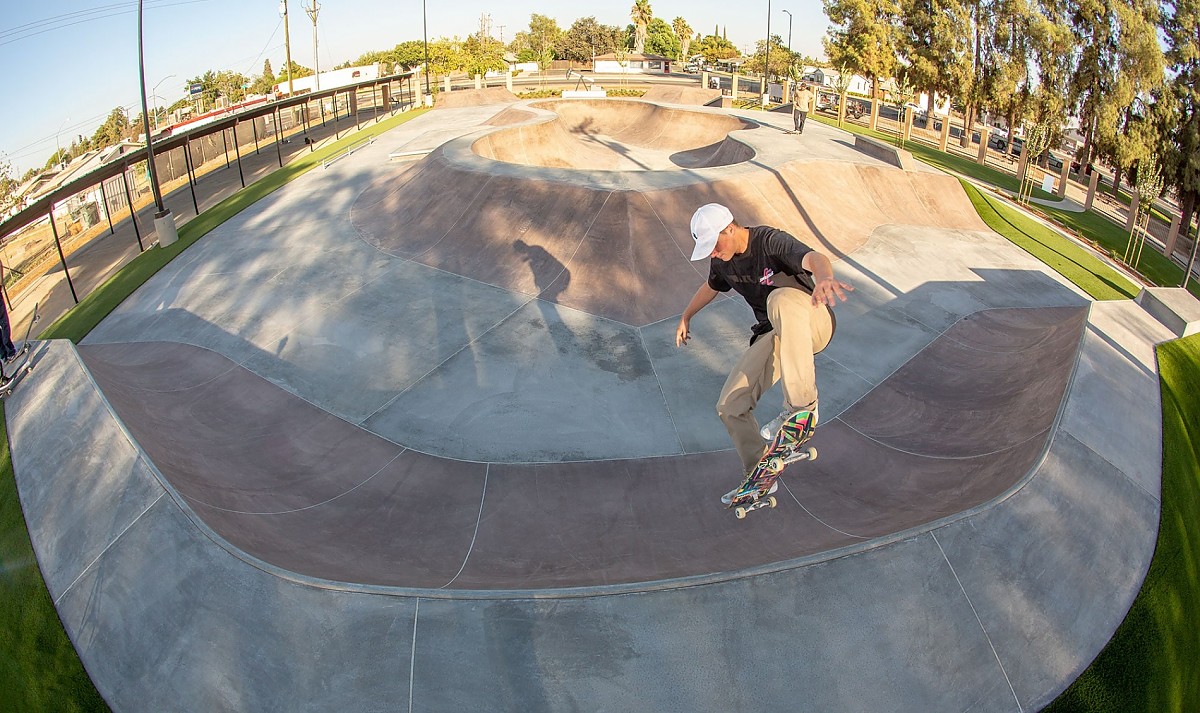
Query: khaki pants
(801,330)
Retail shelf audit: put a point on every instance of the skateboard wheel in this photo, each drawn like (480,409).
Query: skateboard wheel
(771,501)
(812,453)
(739,512)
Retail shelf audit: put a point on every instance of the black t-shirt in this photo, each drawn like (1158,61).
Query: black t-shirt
(772,260)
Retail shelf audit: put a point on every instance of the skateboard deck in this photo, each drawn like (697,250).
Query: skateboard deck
(784,449)
(23,362)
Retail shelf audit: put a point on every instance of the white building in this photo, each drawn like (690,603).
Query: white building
(632,63)
(828,78)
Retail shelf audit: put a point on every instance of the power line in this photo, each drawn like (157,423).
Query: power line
(59,22)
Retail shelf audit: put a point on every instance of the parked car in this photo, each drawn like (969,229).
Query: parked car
(829,101)
(1055,162)
(998,141)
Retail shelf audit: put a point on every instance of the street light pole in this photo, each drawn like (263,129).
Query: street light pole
(155,97)
(425,34)
(57,146)
(164,222)
(791,55)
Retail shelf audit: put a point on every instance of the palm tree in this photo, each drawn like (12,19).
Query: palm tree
(641,14)
(684,32)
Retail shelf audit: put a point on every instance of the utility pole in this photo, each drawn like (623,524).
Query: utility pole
(425,34)
(164,222)
(767,57)
(312,11)
(287,43)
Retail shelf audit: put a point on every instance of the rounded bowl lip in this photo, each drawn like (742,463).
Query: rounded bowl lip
(460,153)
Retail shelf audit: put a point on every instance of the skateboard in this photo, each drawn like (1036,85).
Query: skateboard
(23,361)
(786,448)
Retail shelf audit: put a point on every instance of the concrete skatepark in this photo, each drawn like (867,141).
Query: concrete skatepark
(415,435)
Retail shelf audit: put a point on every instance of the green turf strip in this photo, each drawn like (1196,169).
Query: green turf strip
(1150,664)
(1114,239)
(39,671)
(949,162)
(1079,265)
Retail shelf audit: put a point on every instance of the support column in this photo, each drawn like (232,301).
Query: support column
(478,85)
(733,91)
(189,162)
(1133,212)
(447,83)
(237,152)
(107,214)
(787,91)
(1092,185)
(981,158)
(61,257)
(132,213)
(906,130)
(1173,235)
(508,80)
(1063,177)
(944,141)
(1023,163)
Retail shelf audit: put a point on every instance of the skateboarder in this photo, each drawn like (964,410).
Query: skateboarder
(802,103)
(791,288)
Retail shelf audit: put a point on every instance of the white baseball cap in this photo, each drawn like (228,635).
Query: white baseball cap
(707,222)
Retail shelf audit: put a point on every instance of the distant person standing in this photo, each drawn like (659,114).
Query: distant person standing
(802,103)
(8,351)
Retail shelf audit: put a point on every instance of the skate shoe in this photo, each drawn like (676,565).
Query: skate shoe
(768,431)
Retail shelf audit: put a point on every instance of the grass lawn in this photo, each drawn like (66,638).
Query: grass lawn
(1091,274)
(1109,236)
(1151,662)
(946,161)
(39,669)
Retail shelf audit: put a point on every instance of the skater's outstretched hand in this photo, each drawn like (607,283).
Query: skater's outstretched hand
(829,291)
(682,333)
(704,295)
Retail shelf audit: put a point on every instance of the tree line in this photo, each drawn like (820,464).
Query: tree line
(1127,70)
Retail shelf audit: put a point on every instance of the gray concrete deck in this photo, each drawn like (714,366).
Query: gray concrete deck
(228,485)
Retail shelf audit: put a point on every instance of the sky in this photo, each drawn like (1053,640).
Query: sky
(69,63)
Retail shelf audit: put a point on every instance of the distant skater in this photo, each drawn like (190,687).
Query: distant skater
(802,103)
(791,289)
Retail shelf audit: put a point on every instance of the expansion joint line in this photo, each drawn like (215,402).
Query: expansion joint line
(979,621)
(108,547)
(412,661)
(482,498)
